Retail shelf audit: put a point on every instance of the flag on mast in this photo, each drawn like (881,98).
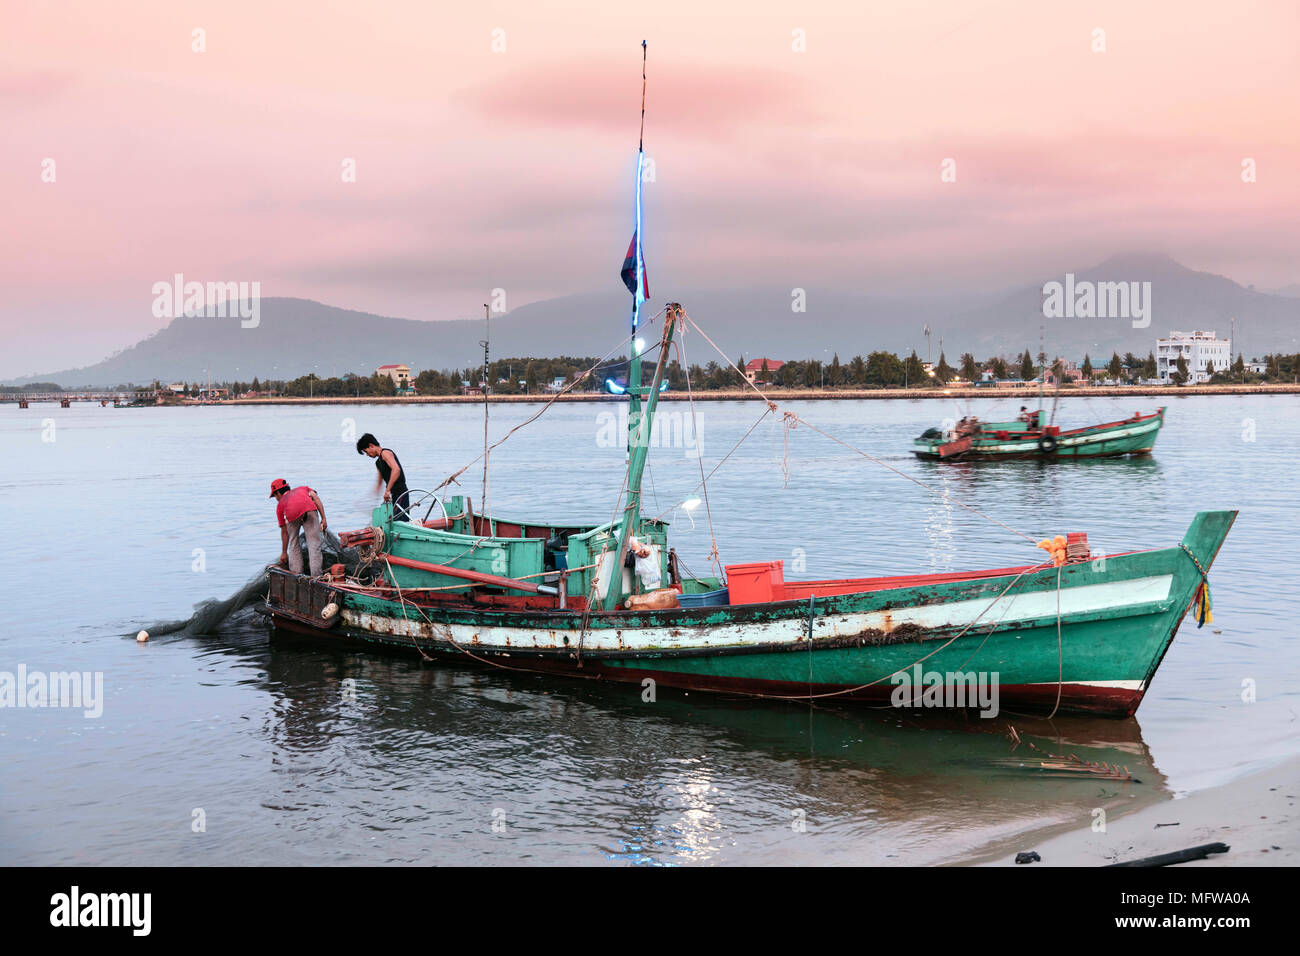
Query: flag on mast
(633,272)
(634,269)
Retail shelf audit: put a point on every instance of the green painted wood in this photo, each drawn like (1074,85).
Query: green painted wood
(505,557)
(1122,643)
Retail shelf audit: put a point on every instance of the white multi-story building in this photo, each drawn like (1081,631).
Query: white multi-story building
(1198,349)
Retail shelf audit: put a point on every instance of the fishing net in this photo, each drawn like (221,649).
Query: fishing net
(209,615)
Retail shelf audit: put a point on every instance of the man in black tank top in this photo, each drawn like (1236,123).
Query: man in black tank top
(392,476)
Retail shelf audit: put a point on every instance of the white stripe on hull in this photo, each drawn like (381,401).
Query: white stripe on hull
(1008,610)
(1077,441)
(1115,684)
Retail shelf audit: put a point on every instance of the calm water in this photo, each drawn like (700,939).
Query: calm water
(121,518)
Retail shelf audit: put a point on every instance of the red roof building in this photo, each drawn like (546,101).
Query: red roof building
(754,368)
(400,374)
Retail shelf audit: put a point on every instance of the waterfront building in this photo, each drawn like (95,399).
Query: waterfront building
(754,369)
(400,374)
(1071,372)
(1198,349)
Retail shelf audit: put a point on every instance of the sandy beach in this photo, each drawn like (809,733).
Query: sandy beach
(1255,815)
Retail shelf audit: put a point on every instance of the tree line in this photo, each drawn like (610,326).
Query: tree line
(526,375)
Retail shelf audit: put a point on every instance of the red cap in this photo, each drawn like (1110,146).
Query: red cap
(277,485)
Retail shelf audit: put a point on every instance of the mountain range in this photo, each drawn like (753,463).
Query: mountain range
(297,336)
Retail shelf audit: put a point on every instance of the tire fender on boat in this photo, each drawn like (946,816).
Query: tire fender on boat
(1047,444)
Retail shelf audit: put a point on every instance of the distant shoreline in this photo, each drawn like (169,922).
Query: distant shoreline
(790,394)
(734,395)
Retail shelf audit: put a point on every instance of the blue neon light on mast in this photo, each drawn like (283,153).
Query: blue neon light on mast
(640,260)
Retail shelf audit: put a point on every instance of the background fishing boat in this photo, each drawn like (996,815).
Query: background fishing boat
(973,440)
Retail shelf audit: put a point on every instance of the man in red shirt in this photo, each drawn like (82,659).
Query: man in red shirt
(299,508)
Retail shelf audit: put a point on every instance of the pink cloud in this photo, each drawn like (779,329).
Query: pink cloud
(477,170)
(600,93)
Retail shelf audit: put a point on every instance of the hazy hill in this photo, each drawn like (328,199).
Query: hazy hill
(1180,299)
(296,336)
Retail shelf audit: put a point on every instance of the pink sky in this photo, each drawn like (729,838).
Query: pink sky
(478,170)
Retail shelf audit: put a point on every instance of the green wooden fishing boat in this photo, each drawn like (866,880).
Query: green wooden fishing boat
(1031,437)
(538,596)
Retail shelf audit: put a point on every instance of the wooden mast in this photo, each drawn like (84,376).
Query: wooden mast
(638,431)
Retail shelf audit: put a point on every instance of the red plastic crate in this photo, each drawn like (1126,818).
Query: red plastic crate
(756,583)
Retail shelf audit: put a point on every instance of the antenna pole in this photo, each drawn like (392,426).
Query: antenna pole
(487,334)
(634,375)
(1042,362)
(641,143)
(1232,340)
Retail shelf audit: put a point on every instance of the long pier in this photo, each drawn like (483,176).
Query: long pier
(92,395)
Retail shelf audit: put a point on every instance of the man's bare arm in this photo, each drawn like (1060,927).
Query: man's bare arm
(394,473)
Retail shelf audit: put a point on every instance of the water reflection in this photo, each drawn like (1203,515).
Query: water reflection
(1046,477)
(587,771)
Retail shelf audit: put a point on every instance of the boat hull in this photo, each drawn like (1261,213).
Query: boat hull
(1082,638)
(1102,698)
(1135,437)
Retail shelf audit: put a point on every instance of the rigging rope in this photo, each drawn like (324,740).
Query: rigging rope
(450,639)
(1060,658)
(789,415)
(402,599)
(615,569)
(578,379)
(852,690)
(714,558)
(757,422)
